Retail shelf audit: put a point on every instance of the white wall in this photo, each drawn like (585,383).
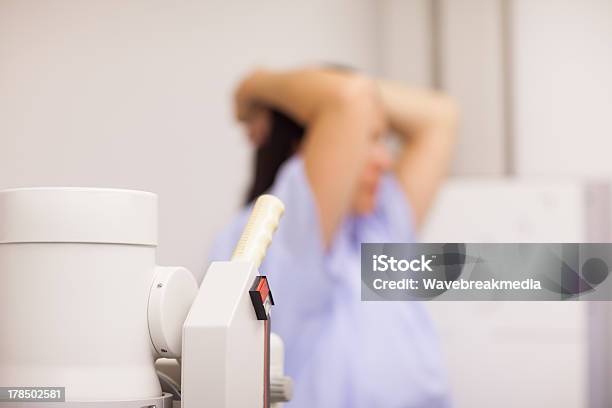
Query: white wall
(138,95)
(563,87)
(471,70)
(405,41)
(562,60)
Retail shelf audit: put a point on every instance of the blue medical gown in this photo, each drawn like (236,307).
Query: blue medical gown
(340,351)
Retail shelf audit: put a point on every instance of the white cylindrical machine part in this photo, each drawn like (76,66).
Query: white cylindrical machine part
(76,267)
(258,232)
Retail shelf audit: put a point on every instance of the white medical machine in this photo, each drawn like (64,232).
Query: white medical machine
(83,305)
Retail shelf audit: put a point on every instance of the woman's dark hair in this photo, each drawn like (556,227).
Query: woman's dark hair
(282,143)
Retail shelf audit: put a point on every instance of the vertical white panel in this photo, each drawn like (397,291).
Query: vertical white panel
(470,59)
(405,40)
(563,94)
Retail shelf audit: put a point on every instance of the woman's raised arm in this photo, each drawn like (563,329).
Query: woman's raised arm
(342,114)
(427,122)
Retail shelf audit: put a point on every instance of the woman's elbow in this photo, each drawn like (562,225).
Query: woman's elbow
(358,96)
(448,112)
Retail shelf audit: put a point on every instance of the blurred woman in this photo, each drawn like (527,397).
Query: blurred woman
(321,148)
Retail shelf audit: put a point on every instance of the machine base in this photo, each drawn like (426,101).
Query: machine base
(165,401)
